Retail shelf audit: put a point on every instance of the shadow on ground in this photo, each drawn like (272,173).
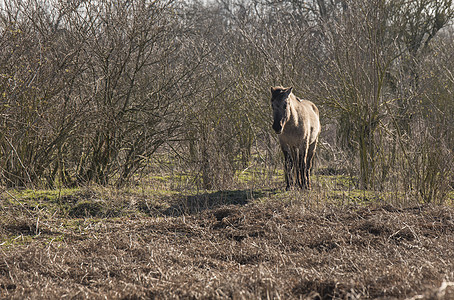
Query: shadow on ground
(185,204)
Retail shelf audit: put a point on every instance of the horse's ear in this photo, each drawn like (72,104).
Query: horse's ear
(288,91)
(273,89)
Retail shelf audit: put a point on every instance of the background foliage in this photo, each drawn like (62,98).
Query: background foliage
(92,91)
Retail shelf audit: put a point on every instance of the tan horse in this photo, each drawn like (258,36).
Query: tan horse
(298,126)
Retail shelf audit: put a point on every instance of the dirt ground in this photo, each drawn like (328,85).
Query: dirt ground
(257,250)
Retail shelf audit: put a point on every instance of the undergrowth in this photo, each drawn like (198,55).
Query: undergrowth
(163,239)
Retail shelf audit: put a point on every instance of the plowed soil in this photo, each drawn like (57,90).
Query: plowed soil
(262,250)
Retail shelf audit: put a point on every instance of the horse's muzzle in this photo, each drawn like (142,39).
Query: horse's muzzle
(277,128)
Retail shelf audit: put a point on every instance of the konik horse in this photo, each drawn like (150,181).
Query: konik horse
(297,124)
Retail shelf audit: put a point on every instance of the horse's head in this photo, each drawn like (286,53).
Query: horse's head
(280,102)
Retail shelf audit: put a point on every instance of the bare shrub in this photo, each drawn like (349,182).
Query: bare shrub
(91,90)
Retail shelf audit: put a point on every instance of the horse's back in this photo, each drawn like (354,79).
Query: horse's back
(308,114)
(308,110)
(308,105)
(314,108)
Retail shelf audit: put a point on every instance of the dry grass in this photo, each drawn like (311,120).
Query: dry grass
(231,247)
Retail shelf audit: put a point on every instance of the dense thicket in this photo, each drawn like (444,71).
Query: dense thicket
(91,90)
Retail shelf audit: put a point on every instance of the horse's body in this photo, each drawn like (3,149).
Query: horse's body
(298,126)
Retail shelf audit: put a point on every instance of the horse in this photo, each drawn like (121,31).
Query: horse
(297,124)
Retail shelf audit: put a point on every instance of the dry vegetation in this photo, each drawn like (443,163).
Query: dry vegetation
(264,244)
(137,159)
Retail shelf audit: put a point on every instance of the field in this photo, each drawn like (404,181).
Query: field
(138,158)
(247,243)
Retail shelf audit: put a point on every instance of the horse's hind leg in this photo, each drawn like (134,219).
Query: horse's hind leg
(300,169)
(309,160)
(288,164)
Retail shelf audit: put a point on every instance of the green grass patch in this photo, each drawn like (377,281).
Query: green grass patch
(335,182)
(49,195)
